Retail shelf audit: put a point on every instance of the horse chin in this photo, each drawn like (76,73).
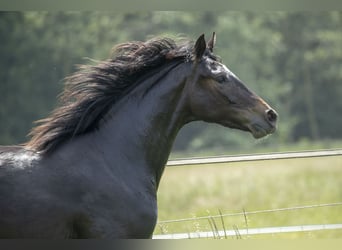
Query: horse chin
(259,134)
(258,131)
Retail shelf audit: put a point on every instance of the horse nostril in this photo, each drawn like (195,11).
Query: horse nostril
(271,115)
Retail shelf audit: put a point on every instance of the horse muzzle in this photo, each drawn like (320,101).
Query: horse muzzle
(262,127)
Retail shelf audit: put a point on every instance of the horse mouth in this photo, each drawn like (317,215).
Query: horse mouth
(259,131)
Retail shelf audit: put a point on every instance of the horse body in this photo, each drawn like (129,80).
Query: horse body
(103,183)
(63,202)
(78,184)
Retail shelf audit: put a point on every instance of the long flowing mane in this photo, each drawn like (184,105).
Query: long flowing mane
(89,93)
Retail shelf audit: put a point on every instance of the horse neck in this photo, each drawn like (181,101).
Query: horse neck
(142,127)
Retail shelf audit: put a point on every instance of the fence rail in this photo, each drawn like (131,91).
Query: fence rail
(250,231)
(245,213)
(254,157)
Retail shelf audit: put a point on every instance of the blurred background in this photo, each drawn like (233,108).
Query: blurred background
(291,59)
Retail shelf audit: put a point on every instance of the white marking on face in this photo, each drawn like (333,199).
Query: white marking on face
(218,68)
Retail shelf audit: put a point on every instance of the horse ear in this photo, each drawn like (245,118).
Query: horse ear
(200,47)
(212,42)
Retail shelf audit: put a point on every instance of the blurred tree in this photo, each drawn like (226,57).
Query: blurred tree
(311,63)
(293,60)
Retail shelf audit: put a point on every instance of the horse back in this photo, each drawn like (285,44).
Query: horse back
(15,158)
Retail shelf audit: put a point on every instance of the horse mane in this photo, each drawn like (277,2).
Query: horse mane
(90,92)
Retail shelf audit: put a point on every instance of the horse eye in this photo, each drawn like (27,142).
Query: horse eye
(221,79)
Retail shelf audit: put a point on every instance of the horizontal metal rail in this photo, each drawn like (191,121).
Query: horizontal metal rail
(254,157)
(245,213)
(250,231)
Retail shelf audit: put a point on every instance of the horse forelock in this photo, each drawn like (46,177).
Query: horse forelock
(91,91)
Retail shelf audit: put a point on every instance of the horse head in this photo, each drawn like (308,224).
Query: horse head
(217,95)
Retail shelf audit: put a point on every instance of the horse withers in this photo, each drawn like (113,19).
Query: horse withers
(92,168)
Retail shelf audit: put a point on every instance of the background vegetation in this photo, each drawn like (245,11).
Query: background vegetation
(291,59)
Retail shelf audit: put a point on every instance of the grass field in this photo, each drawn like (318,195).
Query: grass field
(195,191)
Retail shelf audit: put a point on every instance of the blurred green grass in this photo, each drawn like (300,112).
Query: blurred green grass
(202,190)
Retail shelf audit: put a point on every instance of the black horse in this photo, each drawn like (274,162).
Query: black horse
(92,168)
